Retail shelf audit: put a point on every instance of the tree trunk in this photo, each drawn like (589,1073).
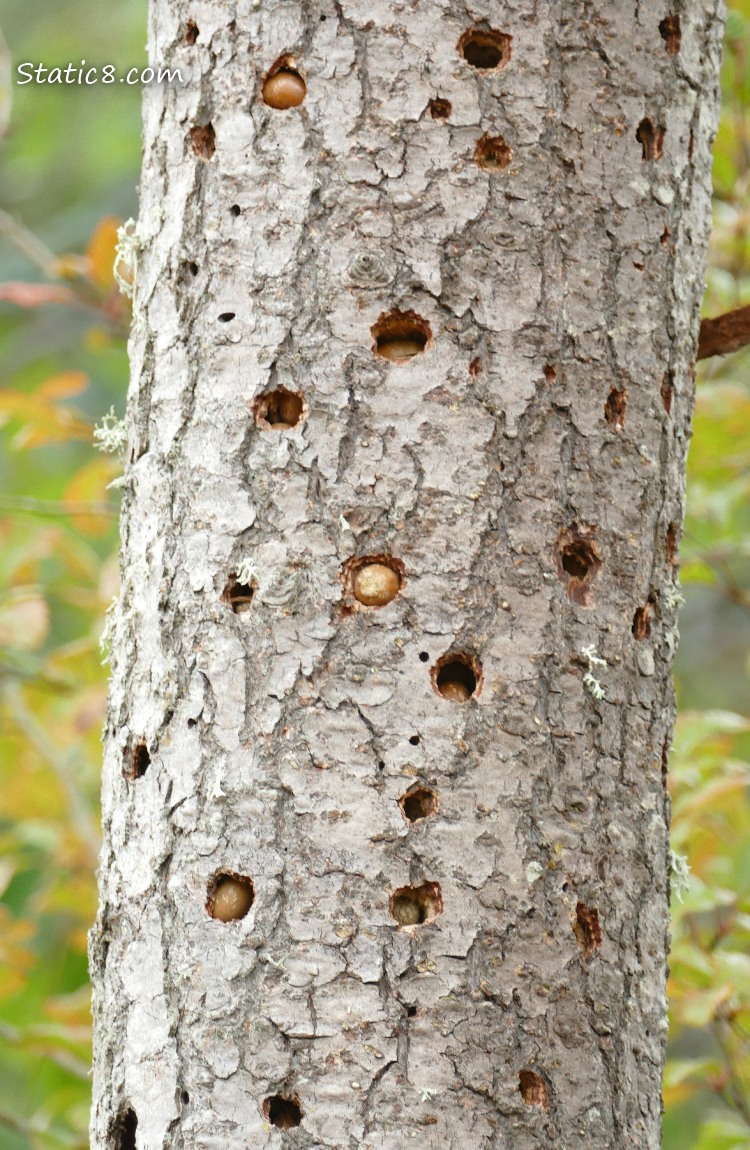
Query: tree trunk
(385,820)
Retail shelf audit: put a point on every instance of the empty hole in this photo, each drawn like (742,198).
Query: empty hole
(185,1097)
(373,580)
(550,372)
(411,1011)
(284,88)
(691,144)
(226,316)
(414,905)
(284,1113)
(475,367)
(485,48)
(642,622)
(418,803)
(671,33)
(236,210)
(440,109)
(578,562)
(381,765)
(229,896)
(673,546)
(414,740)
(492,153)
(456,677)
(203,140)
(192,722)
(140,761)
(587,929)
(424,657)
(533,1089)
(665,748)
(614,408)
(400,336)
(651,139)
(124,1131)
(191,32)
(238,595)
(667,391)
(193,268)
(280,409)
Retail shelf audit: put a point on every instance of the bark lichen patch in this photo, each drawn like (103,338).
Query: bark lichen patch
(642,622)
(485,48)
(651,138)
(440,109)
(493,153)
(279,410)
(138,762)
(239,595)
(123,1130)
(283,86)
(400,336)
(615,408)
(671,33)
(373,580)
(230,896)
(587,929)
(203,140)
(418,804)
(415,905)
(457,676)
(533,1089)
(578,563)
(282,1111)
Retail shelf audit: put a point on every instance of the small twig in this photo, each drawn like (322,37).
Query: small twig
(54,506)
(724,333)
(28,244)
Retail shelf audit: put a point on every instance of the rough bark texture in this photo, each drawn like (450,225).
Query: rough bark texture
(526,468)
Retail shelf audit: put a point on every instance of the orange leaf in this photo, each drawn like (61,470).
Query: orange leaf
(63,384)
(101,252)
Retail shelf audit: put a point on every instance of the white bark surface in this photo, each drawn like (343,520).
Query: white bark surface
(549,410)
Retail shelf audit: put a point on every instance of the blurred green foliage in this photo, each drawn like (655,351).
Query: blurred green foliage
(69,164)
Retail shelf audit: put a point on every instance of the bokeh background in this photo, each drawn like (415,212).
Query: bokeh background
(69,160)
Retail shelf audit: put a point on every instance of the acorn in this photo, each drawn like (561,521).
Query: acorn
(375,584)
(400,349)
(406,910)
(232,899)
(455,690)
(285,89)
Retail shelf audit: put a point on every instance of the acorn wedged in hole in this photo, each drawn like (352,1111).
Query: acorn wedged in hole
(232,899)
(400,350)
(375,584)
(285,89)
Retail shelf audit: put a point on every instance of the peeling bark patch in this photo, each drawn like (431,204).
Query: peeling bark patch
(533,1089)
(415,905)
(673,546)
(614,408)
(671,33)
(230,896)
(279,410)
(642,622)
(492,153)
(238,595)
(203,140)
(283,1112)
(284,90)
(578,563)
(457,677)
(440,109)
(373,580)
(587,929)
(485,48)
(400,336)
(138,762)
(667,391)
(191,32)
(651,139)
(123,1131)
(418,804)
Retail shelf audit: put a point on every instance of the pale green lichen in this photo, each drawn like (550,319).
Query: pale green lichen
(111,435)
(679,874)
(590,682)
(126,258)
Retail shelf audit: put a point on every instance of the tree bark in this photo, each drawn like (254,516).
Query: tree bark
(439,317)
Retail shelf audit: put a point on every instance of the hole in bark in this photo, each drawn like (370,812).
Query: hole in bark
(533,1089)
(665,764)
(400,336)
(124,1130)
(373,580)
(667,391)
(414,740)
(381,765)
(418,803)
(691,144)
(226,316)
(485,48)
(457,677)
(283,1112)
(666,235)
(411,1011)
(671,33)
(651,139)
(203,140)
(587,929)
(238,595)
(414,905)
(279,410)
(424,657)
(193,268)
(191,32)
(492,153)
(475,367)
(642,622)
(283,87)
(614,408)
(550,372)
(578,562)
(229,896)
(673,546)
(139,762)
(235,210)
(185,1097)
(440,109)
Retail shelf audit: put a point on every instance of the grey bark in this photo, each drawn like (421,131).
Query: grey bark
(526,469)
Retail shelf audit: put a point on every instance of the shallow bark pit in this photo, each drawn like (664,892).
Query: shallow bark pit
(238,595)
(284,88)
(283,1113)
(279,410)
(415,905)
(673,545)
(123,1134)
(457,677)
(667,391)
(492,153)
(373,580)
(440,109)
(587,929)
(203,140)
(578,562)
(191,32)
(651,139)
(400,336)
(485,48)
(139,762)
(671,33)
(533,1089)
(614,408)
(230,896)
(418,803)
(642,622)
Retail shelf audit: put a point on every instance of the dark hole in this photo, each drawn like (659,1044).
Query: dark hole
(575,562)
(191,32)
(492,153)
(484,49)
(185,1098)
(239,596)
(651,139)
(408,911)
(140,761)
(125,1131)
(440,109)
(280,409)
(192,722)
(226,316)
(419,804)
(642,622)
(424,657)
(673,545)
(671,33)
(414,740)
(614,409)
(283,1113)
(411,1011)
(322,19)
(400,336)
(456,680)
(203,139)
(236,210)
(381,765)
(193,268)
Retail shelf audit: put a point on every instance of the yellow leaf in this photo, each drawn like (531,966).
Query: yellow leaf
(101,253)
(89,486)
(63,384)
